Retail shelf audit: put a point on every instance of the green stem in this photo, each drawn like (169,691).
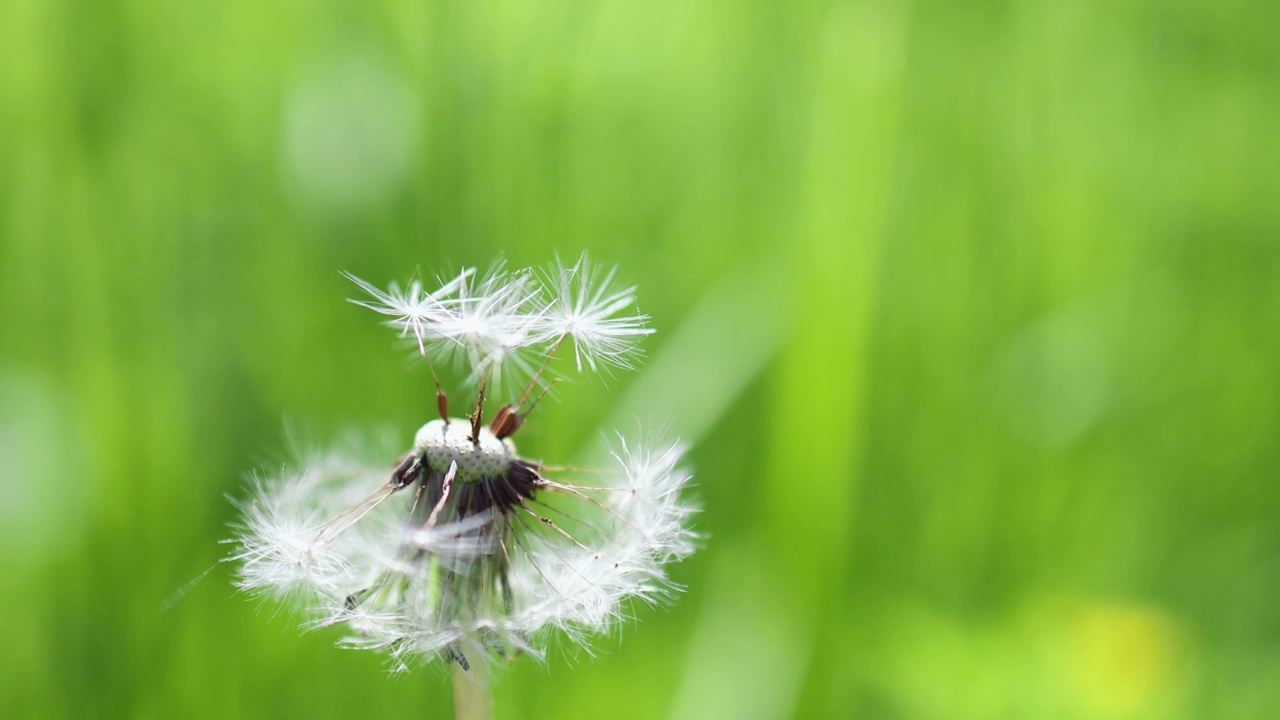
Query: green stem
(471,691)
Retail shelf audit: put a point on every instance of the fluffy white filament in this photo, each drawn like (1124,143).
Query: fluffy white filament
(506,319)
(628,524)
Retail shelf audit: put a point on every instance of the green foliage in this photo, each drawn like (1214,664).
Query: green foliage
(969,309)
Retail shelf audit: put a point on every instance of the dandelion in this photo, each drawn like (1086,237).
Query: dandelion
(467,551)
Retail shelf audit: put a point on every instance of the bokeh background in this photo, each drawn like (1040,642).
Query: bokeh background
(970,310)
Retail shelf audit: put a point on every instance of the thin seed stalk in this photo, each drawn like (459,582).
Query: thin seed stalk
(471,691)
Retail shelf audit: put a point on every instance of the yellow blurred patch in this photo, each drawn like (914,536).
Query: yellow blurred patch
(1123,659)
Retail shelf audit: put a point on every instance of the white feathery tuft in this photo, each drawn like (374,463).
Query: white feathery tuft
(587,307)
(413,311)
(506,318)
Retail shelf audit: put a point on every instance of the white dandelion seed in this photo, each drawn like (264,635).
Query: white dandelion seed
(467,550)
(493,324)
(412,311)
(587,308)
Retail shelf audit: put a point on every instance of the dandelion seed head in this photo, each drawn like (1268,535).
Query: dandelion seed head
(461,549)
(449,441)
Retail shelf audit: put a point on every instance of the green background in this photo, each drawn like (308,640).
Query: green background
(968,308)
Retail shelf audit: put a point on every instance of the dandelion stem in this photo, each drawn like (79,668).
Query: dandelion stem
(471,691)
